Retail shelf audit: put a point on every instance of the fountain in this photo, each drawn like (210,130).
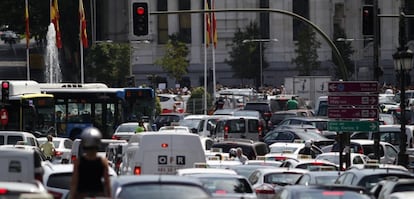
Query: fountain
(53,73)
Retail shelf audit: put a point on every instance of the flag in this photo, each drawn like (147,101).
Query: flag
(214,29)
(54,17)
(82,26)
(26,15)
(208,26)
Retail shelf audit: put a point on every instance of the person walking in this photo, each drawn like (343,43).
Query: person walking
(89,169)
(48,148)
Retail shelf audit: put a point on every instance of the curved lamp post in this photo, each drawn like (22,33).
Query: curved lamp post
(403,59)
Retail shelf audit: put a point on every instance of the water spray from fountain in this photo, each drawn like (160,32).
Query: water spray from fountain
(53,73)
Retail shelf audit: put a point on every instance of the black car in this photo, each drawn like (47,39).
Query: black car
(320,123)
(250,149)
(291,135)
(166,119)
(321,192)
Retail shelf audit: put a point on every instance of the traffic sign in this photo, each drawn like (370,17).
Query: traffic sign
(353,126)
(367,100)
(4,116)
(353,86)
(352,113)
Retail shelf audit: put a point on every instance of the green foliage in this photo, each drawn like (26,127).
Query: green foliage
(306,50)
(175,62)
(108,63)
(157,106)
(345,48)
(196,103)
(245,57)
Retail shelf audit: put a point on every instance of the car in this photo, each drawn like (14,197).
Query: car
(12,137)
(318,178)
(322,192)
(63,148)
(369,177)
(262,106)
(321,106)
(321,123)
(9,36)
(309,164)
(23,190)
(387,152)
(267,181)
(183,129)
(279,116)
(388,133)
(57,178)
(356,158)
(226,186)
(158,187)
(77,149)
(168,119)
(247,169)
(279,149)
(291,135)
(384,188)
(402,195)
(125,130)
(195,123)
(250,148)
(226,111)
(169,101)
(239,127)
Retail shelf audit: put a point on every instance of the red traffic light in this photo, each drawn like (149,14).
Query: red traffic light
(5,85)
(140,11)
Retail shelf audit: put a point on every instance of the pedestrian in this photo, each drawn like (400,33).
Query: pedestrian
(89,169)
(240,156)
(48,148)
(292,103)
(141,127)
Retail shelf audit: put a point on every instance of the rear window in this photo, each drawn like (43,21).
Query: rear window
(13,139)
(334,194)
(60,181)
(282,178)
(157,191)
(278,117)
(226,185)
(261,107)
(236,126)
(371,180)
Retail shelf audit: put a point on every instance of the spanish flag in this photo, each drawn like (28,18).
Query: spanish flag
(82,26)
(26,15)
(54,16)
(213,27)
(208,26)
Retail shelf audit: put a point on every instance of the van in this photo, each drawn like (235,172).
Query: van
(77,149)
(20,164)
(321,106)
(390,133)
(239,127)
(161,153)
(15,137)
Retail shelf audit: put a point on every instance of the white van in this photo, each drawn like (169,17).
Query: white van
(20,165)
(321,106)
(15,137)
(161,153)
(239,127)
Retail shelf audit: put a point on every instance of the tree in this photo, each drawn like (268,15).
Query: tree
(108,63)
(195,103)
(175,62)
(345,48)
(245,57)
(306,50)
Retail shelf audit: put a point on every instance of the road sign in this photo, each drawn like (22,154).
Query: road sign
(354,86)
(352,113)
(367,100)
(353,126)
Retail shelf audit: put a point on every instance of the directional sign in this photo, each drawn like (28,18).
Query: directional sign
(356,86)
(367,100)
(353,126)
(352,113)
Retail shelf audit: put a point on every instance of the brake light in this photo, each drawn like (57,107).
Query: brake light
(137,171)
(114,137)
(3,191)
(317,163)
(164,145)
(226,132)
(280,158)
(58,153)
(333,193)
(56,195)
(265,189)
(73,158)
(361,151)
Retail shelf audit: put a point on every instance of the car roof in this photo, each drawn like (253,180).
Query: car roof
(366,142)
(308,118)
(213,171)
(162,179)
(267,170)
(284,144)
(373,171)
(189,117)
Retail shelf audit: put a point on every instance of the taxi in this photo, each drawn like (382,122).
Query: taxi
(306,162)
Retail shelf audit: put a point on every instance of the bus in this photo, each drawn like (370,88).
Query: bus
(78,106)
(25,108)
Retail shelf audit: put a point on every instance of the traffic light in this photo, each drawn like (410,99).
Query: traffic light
(5,91)
(368,20)
(140,18)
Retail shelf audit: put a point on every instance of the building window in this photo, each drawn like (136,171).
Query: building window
(300,7)
(409,10)
(162,5)
(264,20)
(184,21)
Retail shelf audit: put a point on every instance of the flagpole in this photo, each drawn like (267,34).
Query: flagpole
(213,21)
(81,56)
(205,61)
(27,41)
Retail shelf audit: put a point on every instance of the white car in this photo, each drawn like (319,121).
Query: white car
(356,158)
(192,171)
(63,148)
(279,150)
(168,101)
(125,130)
(182,129)
(22,190)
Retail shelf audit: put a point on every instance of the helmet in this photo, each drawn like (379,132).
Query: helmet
(233,152)
(91,137)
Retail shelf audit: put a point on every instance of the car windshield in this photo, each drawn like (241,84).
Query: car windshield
(60,181)
(217,185)
(247,113)
(127,128)
(191,123)
(160,191)
(280,149)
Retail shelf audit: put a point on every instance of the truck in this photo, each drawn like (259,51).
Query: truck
(308,88)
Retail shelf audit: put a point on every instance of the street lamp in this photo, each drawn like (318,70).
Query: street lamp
(261,57)
(403,59)
(353,55)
